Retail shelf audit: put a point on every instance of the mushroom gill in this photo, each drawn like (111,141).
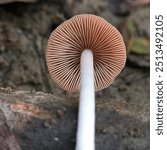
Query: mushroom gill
(73,36)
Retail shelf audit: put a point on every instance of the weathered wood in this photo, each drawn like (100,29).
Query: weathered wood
(45,121)
(7,139)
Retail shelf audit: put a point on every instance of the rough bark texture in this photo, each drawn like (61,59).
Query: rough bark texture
(44,121)
(7,139)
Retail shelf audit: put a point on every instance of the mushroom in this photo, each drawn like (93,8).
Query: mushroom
(85,53)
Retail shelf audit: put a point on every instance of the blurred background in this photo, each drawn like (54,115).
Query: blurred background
(25,26)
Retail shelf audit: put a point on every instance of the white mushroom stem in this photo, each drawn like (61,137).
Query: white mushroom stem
(86,116)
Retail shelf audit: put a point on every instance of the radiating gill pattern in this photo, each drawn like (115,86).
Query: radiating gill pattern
(73,36)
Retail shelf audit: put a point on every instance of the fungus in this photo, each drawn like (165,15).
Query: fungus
(85,53)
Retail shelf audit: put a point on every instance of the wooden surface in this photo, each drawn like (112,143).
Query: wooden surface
(44,121)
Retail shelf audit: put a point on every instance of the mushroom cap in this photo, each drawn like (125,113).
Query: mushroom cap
(73,36)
